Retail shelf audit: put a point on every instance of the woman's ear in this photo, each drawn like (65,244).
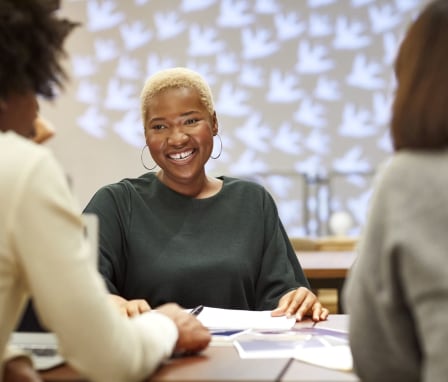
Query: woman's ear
(3,105)
(44,130)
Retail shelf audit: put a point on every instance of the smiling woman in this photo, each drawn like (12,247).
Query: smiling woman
(179,234)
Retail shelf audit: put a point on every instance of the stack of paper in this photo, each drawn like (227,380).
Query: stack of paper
(256,334)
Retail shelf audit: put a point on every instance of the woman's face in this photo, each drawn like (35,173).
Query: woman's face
(18,112)
(179,133)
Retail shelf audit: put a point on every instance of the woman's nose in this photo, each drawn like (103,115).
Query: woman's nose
(178,137)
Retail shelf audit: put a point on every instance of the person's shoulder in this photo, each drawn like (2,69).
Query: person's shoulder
(18,144)
(243,183)
(129,183)
(21,153)
(143,180)
(248,189)
(415,166)
(27,168)
(412,181)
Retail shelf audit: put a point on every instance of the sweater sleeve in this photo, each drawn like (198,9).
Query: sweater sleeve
(108,204)
(294,261)
(69,295)
(280,270)
(424,277)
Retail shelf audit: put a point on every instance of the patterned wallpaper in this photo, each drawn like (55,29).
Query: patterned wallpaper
(302,91)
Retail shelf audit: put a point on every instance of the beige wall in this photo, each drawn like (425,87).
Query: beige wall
(333,88)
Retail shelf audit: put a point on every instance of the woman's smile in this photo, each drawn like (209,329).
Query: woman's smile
(182,155)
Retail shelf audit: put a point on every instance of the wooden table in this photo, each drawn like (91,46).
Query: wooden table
(222,363)
(214,364)
(327,269)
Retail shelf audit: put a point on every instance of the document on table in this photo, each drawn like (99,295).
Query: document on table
(216,318)
(318,346)
(333,357)
(253,348)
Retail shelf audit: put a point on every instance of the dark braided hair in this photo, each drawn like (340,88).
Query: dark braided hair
(31,46)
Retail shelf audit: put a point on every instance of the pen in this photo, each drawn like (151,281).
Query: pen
(197,310)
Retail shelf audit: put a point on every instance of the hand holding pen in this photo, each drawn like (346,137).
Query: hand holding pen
(193,336)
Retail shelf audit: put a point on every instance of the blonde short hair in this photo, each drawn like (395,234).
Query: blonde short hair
(175,78)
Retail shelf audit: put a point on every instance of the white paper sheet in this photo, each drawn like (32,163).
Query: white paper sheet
(332,357)
(269,348)
(318,346)
(215,318)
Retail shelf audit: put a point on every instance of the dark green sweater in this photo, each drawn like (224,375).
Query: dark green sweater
(228,251)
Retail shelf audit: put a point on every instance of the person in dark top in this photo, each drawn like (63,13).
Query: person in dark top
(180,235)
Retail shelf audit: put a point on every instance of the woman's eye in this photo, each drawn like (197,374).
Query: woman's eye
(157,127)
(191,121)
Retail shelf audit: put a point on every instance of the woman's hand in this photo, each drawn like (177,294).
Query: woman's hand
(130,308)
(193,336)
(301,302)
(20,369)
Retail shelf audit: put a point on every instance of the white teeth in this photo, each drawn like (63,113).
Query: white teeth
(181,155)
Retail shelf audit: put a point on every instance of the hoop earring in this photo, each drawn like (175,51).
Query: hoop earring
(143,163)
(220,149)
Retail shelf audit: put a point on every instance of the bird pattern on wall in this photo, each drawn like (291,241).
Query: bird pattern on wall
(302,88)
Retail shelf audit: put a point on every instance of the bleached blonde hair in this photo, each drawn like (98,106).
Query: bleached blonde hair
(178,77)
